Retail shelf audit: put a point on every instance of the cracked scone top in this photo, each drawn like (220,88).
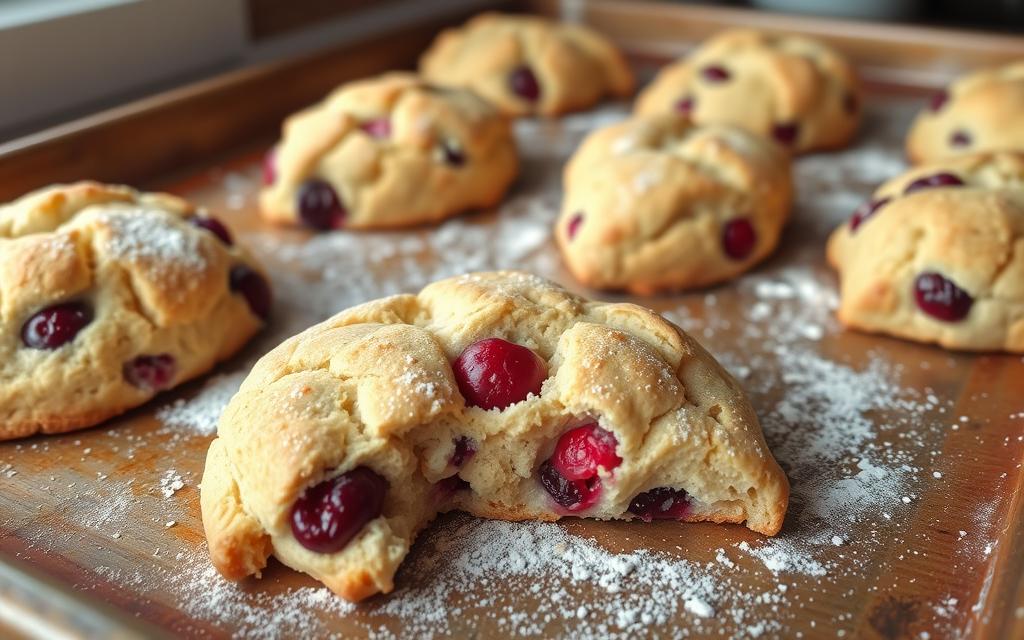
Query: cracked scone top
(389,151)
(527,65)
(937,255)
(793,89)
(656,203)
(982,111)
(500,394)
(109,295)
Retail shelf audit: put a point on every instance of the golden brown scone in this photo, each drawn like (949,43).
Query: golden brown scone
(108,296)
(528,65)
(796,90)
(390,151)
(656,203)
(500,394)
(982,111)
(937,255)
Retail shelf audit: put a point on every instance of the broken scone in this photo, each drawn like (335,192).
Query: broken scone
(499,394)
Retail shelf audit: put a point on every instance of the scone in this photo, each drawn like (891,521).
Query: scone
(528,65)
(500,394)
(982,111)
(937,255)
(793,89)
(108,296)
(390,151)
(656,203)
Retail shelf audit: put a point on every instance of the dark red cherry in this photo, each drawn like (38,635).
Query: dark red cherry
(253,287)
(54,326)
(573,227)
(495,373)
(270,166)
(319,206)
(523,83)
(151,373)
(785,133)
(960,138)
(938,101)
(214,226)
(685,105)
(580,451)
(738,238)
(451,153)
(571,495)
(932,181)
(663,503)
(940,298)
(464,450)
(377,128)
(865,211)
(715,73)
(327,516)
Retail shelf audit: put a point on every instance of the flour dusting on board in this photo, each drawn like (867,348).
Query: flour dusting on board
(855,481)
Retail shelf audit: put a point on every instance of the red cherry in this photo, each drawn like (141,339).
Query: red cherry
(715,73)
(786,133)
(270,166)
(55,326)
(940,298)
(573,227)
(738,238)
(663,503)
(960,138)
(571,495)
(523,83)
(464,450)
(685,105)
(495,373)
(327,516)
(938,101)
(580,451)
(865,211)
(214,226)
(377,128)
(932,181)
(253,287)
(151,373)
(319,206)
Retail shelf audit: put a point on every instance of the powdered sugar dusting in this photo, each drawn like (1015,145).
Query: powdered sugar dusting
(201,413)
(150,237)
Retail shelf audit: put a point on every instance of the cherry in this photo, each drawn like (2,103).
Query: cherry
(580,451)
(523,83)
(327,516)
(451,153)
(960,138)
(573,227)
(865,211)
(662,503)
(253,287)
(572,495)
(270,166)
(214,226)
(377,128)
(464,450)
(786,133)
(685,105)
(936,180)
(150,373)
(938,100)
(319,206)
(738,238)
(940,298)
(495,373)
(714,73)
(54,326)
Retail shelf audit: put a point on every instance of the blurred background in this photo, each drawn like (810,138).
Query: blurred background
(62,59)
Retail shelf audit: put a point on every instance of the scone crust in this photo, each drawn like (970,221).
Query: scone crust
(986,106)
(647,202)
(972,234)
(156,284)
(402,179)
(772,80)
(373,386)
(575,66)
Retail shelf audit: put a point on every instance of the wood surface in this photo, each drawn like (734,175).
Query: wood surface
(162,141)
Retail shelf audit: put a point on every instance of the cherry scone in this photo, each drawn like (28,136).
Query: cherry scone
(937,255)
(527,65)
(982,111)
(656,203)
(109,296)
(795,90)
(389,151)
(500,394)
